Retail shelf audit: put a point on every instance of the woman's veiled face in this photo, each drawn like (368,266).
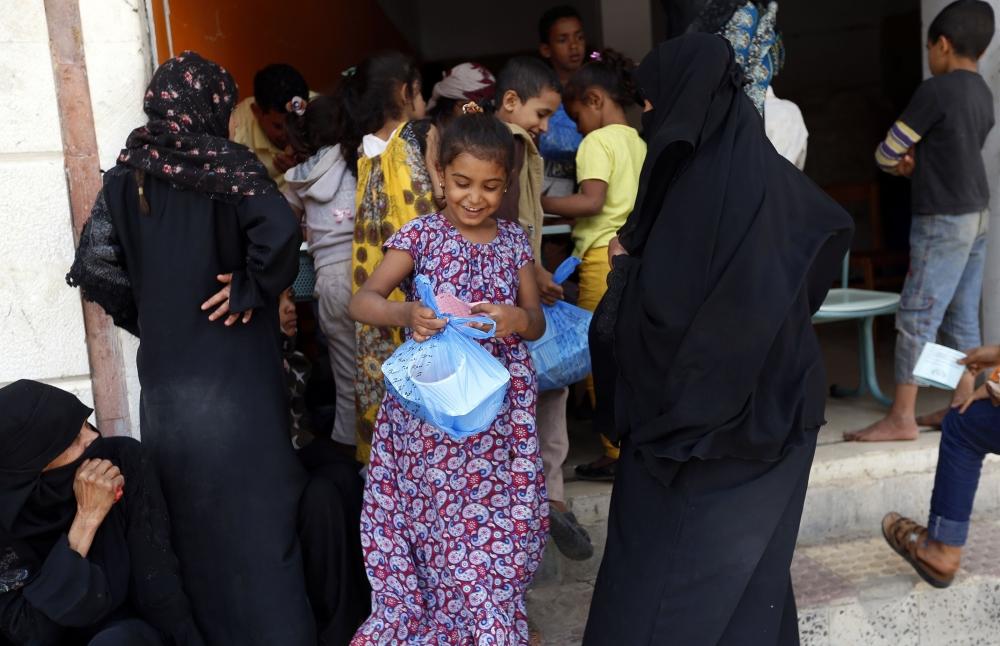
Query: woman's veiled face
(73,452)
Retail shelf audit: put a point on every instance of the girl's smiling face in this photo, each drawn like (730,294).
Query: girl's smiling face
(473,189)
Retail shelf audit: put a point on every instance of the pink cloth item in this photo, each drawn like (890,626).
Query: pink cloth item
(452,305)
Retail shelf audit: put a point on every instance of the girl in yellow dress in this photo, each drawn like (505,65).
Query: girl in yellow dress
(394,187)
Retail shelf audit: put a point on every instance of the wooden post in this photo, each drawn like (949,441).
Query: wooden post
(83,177)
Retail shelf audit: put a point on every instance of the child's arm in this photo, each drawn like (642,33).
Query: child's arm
(895,155)
(587,203)
(370,305)
(525,318)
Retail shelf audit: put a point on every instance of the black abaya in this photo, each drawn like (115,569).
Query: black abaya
(127,590)
(213,407)
(330,532)
(722,386)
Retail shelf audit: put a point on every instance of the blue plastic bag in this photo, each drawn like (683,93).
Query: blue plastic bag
(449,380)
(562,355)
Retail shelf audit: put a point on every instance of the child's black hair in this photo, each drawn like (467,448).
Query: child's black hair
(967,24)
(610,71)
(527,76)
(481,135)
(276,85)
(371,90)
(325,123)
(551,17)
(444,110)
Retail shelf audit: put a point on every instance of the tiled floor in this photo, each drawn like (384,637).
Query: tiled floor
(852,569)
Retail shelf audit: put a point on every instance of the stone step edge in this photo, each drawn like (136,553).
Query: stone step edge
(590,500)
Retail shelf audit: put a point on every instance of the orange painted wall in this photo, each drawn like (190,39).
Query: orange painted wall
(320,38)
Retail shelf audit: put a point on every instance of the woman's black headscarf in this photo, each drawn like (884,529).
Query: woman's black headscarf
(188,102)
(732,249)
(37,423)
(687,16)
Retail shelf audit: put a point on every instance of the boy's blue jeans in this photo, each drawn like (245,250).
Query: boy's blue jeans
(965,441)
(943,287)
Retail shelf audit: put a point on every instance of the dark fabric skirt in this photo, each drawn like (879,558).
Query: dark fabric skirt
(705,560)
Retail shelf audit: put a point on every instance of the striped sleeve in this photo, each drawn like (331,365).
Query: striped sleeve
(901,138)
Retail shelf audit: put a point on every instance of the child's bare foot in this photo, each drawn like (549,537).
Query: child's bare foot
(887,429)
(933,420)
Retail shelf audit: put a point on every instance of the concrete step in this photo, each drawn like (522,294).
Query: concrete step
(849,592)
(853,485)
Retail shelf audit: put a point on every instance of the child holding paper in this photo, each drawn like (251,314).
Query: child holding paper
(453,531)
(969,433)
(938,142)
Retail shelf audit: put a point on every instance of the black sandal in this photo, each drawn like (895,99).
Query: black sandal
(603,473)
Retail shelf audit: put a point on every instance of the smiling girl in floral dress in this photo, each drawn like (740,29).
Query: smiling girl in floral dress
(453,531)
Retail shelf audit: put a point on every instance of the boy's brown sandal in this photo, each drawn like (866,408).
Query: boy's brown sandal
(903,535)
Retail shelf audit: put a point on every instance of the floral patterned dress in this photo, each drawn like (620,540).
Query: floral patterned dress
(393,188)
(453,532)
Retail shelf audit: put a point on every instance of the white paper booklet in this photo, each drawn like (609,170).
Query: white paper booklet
(938,367)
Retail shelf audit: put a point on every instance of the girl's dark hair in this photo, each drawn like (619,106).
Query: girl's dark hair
(326,122)
(610,71)
(444,110)
(371,90)
(481,135)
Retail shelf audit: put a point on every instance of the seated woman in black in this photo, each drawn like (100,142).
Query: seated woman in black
(85,555)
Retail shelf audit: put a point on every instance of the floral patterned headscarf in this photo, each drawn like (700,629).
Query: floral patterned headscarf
(188,102)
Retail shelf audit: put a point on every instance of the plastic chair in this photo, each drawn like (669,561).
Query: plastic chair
(862,305)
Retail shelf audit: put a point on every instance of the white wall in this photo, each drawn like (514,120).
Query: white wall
(989,67)
(41,321)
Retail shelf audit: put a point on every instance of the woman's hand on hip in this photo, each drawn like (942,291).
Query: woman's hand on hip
(615,248)
(220,301)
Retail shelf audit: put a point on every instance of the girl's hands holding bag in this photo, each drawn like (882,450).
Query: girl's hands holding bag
(509,319)
(423,322)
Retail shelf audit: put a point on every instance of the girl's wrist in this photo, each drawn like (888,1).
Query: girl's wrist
(525,322)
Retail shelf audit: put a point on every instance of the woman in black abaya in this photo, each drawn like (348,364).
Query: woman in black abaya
(727,254)
(80,564)
(184,213)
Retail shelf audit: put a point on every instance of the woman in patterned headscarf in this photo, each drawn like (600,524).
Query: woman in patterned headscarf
(185,212)
(749,27)
(463,83)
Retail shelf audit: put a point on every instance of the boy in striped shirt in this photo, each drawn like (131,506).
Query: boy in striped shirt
(937,142)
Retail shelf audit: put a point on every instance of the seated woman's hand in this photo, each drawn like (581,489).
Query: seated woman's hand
(97,487)
(221,302)
(981,393)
